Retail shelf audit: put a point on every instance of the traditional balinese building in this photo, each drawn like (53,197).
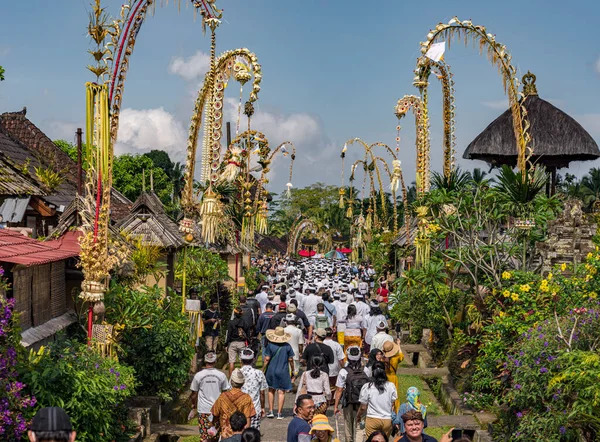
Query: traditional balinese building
(149,222)
(44,178)
(557,139)
(41,277)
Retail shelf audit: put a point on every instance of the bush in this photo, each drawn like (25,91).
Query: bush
(91,389)
(155,338)
(15,405)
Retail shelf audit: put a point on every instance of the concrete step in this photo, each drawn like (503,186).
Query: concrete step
(458,421)
(441,371)
(412,348)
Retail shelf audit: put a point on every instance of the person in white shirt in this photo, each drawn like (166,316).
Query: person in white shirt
(381,337)
(255,385)
(374,317)
(362,307)
(338,357)
(341,308)
(296,340)
(363,288)
(377,400)
(207,386)
(310,306)
(262,297)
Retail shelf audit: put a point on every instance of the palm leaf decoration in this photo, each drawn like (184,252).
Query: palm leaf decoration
(499,56)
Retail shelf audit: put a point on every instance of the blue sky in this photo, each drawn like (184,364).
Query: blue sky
(332,70)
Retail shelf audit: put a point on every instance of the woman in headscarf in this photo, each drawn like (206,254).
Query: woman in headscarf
(375,355)
(413,402)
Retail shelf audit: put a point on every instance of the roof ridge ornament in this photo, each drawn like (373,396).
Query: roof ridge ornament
(529,87)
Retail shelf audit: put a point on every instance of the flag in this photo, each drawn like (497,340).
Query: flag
(436,51)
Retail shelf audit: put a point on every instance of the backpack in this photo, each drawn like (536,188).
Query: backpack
(321,321)
(354,383)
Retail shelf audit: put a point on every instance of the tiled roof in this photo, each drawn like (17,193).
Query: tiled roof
(19,249)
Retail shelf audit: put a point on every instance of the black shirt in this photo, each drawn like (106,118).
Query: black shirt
(238,331)
(209,327)
(276,320)
(318,349)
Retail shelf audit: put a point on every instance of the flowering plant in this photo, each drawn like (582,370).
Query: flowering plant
(90,388)
(15,405)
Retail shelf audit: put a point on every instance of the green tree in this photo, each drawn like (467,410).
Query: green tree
(128,172)
(204,270)
(68,148)
(2,73)
(591,186)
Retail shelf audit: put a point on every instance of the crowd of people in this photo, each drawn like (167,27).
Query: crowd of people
(322,330)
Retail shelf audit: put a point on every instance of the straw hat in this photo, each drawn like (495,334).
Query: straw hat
(320,422)
(390,349)
(278,336)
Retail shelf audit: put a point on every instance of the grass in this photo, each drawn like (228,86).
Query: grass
(427,397)
(436,432)
(190,439)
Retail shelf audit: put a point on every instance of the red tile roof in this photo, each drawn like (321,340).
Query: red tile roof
(19,249)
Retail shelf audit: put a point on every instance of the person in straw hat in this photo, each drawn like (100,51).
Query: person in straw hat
(278,363)
(393,357)
(321,430)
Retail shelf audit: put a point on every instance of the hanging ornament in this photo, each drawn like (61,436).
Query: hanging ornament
(233,167)
(396,174)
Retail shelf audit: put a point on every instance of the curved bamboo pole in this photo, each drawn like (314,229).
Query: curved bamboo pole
(425,67)
(499,56)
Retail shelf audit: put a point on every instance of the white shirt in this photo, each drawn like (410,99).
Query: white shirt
(379,339)
(363,287)
(296,340)
(254,383)
(362,308)
(371,326)
(342,311)
(209,383)
(310,307)
(338,355)
(262,299)
(379,405)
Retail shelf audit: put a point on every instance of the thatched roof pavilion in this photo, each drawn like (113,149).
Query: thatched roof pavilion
(556,138)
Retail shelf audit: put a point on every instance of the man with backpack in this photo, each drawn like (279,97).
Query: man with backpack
(350,380)
(238,337)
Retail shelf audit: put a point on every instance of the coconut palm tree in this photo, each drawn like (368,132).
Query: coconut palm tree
(590,186)
(478,176)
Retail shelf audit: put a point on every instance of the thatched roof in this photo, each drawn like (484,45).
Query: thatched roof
(149,221)
(273,244)
(557,139)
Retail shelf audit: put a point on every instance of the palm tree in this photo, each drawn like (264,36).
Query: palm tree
(591,186)
(457,180)
(519,191)
(478,176)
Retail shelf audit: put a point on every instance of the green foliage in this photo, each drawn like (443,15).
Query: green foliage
(2,71)
(379,252)
(49,178)
(457,180)
(155,337)
(128,172)
(69,148)
(253,278)
(148,260)
(204,270)
(519,191)
(91,389)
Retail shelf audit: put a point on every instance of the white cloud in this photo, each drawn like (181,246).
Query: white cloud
(147,129)
(192,67)
(591,123)
(60,130)
(497,105)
